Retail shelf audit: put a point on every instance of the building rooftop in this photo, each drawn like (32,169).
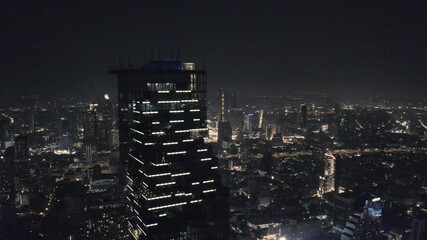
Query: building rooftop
(163,65)
(158,65)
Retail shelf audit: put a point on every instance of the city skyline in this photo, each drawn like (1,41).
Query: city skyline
(296,167)
(213,120)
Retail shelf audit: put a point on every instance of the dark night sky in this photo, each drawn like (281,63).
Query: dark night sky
(278,46)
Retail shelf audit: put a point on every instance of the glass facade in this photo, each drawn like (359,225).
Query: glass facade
(172,175)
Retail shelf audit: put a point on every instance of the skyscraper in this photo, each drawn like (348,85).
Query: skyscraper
(173,185)
(21,148)
(303,116)
(224,126)
(107,124)
(8,217)
(233,101)
(7,187)
(223,107)
(6,134)
(328,181)
(90,125)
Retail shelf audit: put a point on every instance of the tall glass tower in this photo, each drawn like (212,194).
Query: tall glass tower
(174,191)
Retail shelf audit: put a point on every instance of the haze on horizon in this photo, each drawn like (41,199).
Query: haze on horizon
(334,47)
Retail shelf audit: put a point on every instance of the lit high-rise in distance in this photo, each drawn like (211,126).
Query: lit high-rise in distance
(173,186)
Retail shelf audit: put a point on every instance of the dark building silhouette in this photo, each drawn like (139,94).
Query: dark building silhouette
(223,105)
(95,210)
(64,126)
(419,231)
(303,116)
(7,188)
(400,190)
(103,132)
(174,191)
(8,218)
(233,101)
(337,109)
(344,205)
(106,121)
(338,172)
(21,149)
(224,131)
(6,134)
(224,126)
(98,125)
(90,125)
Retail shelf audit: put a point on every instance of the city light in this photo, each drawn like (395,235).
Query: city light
(267,120)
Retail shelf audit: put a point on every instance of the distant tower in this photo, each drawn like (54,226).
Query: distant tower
(400,182)
(32,122)
(88,153)
(114,139)
(260,118)
(7,193)
(270,131)
(248,121)
(337,109)
(223,105)
(7,179)
(90,125)
(224,131)
(328,181)
(224,126)
(6,134)
(233,101)
(107,124)
(63,126)
(303,112)
(21,149)
(338,170)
